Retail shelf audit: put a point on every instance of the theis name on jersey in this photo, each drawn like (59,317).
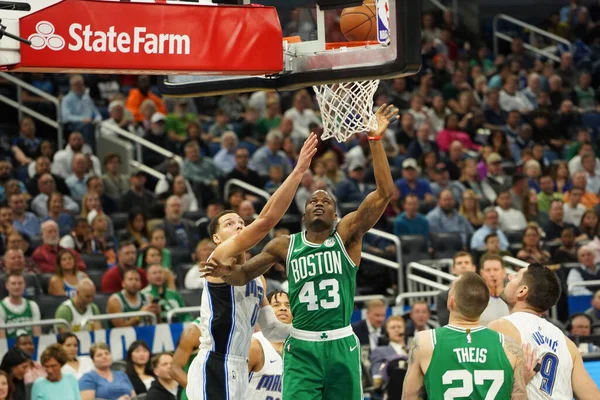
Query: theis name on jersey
(471,355)
(541,340)
(329,262)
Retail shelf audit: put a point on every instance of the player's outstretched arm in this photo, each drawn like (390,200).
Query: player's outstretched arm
(238,275)
(413,387)
(356,224)
(272,328)
(272,212)
(515,355)
(584,387)
(187,344)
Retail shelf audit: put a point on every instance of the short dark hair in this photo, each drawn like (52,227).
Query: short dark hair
(111,156)
(91,179)
(14,273)
(125,243)
(80,220)
(462,254)
(492,258)
(214,225)
(55,351)
(276,293)
(575,188)
(471,294)
(489,236)
(544,287)
(131,271)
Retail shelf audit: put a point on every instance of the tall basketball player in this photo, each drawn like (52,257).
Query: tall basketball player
(322,355)
(465,359)
(228,314)
(264,360)
(562,376)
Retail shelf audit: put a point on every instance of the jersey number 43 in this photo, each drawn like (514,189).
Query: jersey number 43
(309,296)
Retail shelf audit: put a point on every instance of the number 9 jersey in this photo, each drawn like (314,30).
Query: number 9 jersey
(554,379)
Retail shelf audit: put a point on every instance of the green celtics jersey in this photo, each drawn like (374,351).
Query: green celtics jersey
(470,365)
(322,279)
(142,300)
(12,317)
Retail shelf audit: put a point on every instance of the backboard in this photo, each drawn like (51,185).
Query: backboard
(315,51)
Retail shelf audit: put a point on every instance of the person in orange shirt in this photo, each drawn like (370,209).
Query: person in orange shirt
(138,95)
(588,199)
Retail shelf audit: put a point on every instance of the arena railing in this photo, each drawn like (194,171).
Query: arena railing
(388,264)
(583,283)
(18,105)
(398,244)
(28,324)
(246,186)
(139,142)
(532,31)
(418,283)
(106,317)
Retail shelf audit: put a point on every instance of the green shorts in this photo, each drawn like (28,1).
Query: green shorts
(322,370)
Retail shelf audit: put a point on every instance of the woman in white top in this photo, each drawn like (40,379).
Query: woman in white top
(76,365)
(138,367)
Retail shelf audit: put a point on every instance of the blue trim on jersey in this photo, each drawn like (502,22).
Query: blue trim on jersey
(204,374)
(229,341)
(212,313)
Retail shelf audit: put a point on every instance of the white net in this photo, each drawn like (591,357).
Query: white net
(346,108)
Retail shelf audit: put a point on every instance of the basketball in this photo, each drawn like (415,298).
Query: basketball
(359,23)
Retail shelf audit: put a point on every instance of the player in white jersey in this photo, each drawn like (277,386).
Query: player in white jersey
(264,361)
(228,313)
(560,374)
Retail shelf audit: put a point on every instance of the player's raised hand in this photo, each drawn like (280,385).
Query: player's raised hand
(215,269)
(309,149)
(384,115)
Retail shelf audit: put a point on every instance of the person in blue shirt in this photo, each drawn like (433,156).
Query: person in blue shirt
(411,184)
(410,222)
(55,385)
(102,382)
(490,225)
(78,111)
(445,219)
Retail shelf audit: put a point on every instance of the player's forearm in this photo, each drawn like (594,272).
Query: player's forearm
(273,329)
(280,201)
(179,375)
(252,269)
(381,168)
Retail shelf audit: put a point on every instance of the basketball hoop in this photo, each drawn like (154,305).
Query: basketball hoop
(346,108)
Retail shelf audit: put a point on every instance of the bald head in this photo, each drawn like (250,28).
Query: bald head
(85,293)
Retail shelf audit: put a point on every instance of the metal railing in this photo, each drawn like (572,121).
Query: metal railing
(514,262)
(150,171)
(182,310)
(246,186)
(417,283)
(140,141)
(44,322)
(404,297)
(582,283)
(107,317)
(18,104)
(533,30)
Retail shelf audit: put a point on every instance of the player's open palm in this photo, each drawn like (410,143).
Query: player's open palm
(384,115)
(309,149)
(214,269)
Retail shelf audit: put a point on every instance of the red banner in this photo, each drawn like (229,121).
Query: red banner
(84,35)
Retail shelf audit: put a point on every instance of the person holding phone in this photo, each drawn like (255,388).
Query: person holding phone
(163,297)
(130,299)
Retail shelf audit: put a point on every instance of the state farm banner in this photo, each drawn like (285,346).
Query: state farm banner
(99,35)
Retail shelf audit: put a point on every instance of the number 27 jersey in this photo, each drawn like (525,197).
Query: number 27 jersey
(554,379)
(322,280)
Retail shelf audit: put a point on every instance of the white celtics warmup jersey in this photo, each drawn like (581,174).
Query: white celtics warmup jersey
(228,315)
(266,384)
(554,379)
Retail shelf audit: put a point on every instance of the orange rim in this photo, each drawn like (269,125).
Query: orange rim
(337,45)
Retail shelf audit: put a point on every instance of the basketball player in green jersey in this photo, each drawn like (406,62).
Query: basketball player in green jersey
(464,360)
(185,353)
(321,358)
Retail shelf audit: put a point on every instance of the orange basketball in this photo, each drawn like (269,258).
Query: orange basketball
(359,23)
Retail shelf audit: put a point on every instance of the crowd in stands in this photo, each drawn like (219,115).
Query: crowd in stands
(493,155)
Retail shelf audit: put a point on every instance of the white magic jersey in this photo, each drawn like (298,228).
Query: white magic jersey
(228,315)
(266,384)
(554,379)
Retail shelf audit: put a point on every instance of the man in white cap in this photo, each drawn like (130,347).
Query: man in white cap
(411,184)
